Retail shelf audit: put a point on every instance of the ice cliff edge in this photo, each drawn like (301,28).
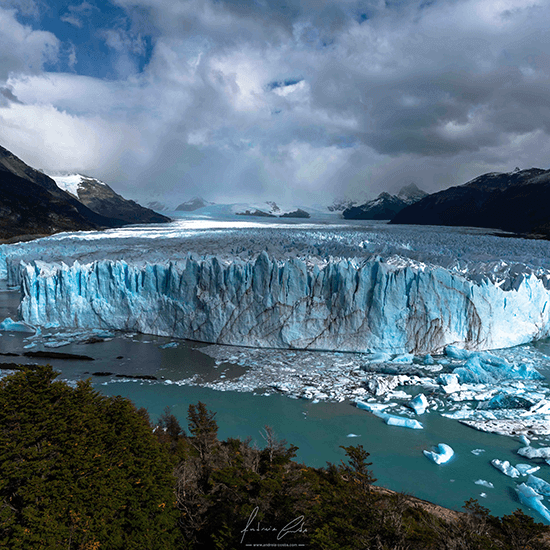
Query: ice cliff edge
(345,305)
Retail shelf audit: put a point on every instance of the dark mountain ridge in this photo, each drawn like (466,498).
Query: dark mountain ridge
(385,206)
(515,201)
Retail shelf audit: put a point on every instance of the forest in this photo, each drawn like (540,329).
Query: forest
(82,471)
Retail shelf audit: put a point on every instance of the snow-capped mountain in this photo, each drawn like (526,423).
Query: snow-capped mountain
(32,204)
(100,198)
(514,201)
(385,206)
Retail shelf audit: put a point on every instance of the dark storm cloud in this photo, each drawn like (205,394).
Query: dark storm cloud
(269,97)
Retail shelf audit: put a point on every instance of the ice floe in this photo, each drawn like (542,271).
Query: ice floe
(443,454)
(505,467)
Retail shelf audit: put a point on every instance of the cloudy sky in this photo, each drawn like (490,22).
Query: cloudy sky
(294,100)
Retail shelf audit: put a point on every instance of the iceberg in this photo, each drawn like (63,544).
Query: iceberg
(443,454)
(374,304)
(9,324)
(539,485)
(485,368)
(505,467)
(390,419)
(484,483)
(526,469)
(403,422)
(419,404)
(532,452)
(532,499)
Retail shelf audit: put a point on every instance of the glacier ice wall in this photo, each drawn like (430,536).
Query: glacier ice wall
(345,305)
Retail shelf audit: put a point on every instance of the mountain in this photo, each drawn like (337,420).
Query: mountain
(194,204)
(100,198)
(31,203)
(339,205)
(514,201)
(385,206)
(157,206)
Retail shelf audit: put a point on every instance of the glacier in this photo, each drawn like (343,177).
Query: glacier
(345,305)
(342,287)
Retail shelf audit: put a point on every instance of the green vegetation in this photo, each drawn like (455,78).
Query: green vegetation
(83,471)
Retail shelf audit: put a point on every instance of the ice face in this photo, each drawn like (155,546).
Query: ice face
(443,454)
(316,288)
(345,306)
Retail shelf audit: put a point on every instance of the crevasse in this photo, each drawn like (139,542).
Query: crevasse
(345,305)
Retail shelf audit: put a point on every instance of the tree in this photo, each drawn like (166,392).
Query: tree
(203,428)
(79,470)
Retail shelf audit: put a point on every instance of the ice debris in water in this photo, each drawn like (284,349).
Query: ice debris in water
(443,454)
(526,469)
(528,496)
(419,404)
(539,485)
(484,483)
(8,324)
(532,452)
(353,435)
(477,452)
(505,467)
(486,368)
(524,440)
(390,419)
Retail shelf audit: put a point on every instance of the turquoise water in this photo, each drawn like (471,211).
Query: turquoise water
(318,429)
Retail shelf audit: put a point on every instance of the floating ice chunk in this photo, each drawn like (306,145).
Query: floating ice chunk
(380,357)
(507,401)
(485,368)
(477,452)
(526,469)
(390,419)
(393,420)
(449,382)
(353,435)
(419,404)
(532,499)
(505,467)
(169,345)
(484,483)
(442,455)
(524,440)
(428,360)
(539,485)
(457,353)
(406,358)
(9,324)
(531,452)
(483,495)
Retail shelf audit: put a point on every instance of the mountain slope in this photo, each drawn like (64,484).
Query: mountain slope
(32,204)
(515,201)
(385,206)
(99,197)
